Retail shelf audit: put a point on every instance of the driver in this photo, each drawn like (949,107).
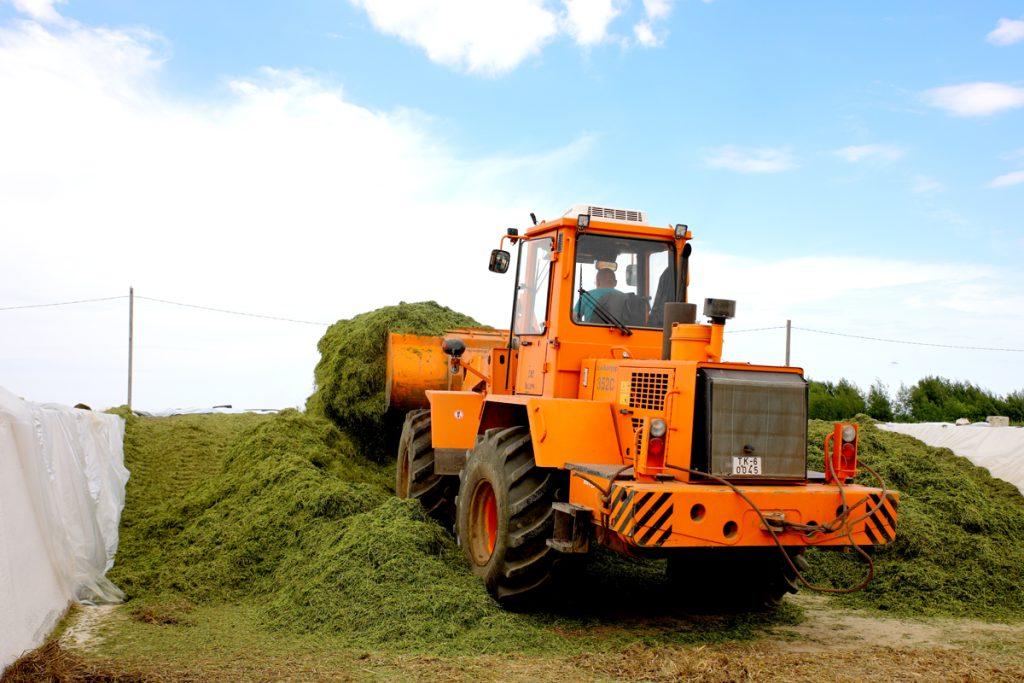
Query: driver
(605,282)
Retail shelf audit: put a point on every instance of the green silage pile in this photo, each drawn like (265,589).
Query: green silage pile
(293,520)
(959,548)
(278,522)
(351,374)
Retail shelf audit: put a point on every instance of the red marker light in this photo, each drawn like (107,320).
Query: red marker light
(656,453)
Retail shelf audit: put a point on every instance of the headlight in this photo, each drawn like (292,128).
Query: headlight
(849,433)
(658,428)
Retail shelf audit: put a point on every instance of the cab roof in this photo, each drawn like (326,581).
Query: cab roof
(603,226)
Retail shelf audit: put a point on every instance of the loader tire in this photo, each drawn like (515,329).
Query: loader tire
(414,473)
(734,578)
(504,517)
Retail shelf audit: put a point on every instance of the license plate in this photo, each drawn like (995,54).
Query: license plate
(746,465)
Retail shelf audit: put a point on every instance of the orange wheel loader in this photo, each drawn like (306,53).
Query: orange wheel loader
(607,415)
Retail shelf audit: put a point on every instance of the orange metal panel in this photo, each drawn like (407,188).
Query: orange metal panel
(531,366)
(666,514)
(588,379)
(454,418)
(572,430)
(503,370)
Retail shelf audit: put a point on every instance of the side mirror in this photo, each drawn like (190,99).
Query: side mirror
(631,275)
(499,261)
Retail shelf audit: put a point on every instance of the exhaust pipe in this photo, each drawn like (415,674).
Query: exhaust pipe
(684,274)
(678,311)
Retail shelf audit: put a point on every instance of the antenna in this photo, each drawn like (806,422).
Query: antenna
(533,217)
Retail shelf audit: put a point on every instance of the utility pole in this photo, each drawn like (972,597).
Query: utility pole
(131,341)
(789,333)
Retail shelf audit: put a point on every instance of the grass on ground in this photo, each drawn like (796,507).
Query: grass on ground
(263,547)
(285,531)
(959,548)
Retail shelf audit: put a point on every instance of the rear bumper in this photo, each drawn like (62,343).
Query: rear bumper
(673,514)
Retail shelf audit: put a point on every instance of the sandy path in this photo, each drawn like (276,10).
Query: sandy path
(83,630)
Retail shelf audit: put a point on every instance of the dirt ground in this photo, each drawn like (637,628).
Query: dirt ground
(829,645)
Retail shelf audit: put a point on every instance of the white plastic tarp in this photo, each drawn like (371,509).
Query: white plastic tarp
(1000,450)
(171,412)
(62,486)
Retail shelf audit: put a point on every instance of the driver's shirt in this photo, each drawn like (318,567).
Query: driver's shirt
(585,306)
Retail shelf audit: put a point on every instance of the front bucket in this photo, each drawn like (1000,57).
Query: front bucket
(416,363)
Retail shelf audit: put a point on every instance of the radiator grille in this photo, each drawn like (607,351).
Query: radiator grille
(751,413)
(647,390)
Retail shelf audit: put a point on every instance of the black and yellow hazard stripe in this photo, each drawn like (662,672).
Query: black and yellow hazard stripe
(621,506)
(641,516)
(880,527)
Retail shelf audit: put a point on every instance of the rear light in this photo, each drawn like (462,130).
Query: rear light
(654,458)
(656,453)
(841,453)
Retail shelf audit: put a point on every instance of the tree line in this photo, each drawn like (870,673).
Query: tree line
(933,399)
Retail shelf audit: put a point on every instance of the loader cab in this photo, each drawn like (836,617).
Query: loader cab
(589,287)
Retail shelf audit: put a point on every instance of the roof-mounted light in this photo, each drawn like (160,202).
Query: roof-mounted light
(583,221)
(681,231)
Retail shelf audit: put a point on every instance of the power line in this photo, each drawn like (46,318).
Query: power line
(756,329)
(904,341)
(63,303)
(224,310)
(323,324)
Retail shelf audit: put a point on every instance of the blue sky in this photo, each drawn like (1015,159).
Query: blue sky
(858,143)
(809,78)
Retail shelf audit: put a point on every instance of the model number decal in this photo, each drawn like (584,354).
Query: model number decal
(624,392)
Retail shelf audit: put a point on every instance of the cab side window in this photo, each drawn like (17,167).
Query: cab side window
(532,290)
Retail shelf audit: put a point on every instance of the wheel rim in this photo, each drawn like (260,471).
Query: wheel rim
(483,522)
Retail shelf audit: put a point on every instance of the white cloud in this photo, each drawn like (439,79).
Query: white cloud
(644,35)
(789,277)
(41,10)
(281,196)
(927,295)
(277,196)
(645,31)
(1007,32)
(753,160)
(925,185)
(587,21)
(658,9)
(975,99)
(876,152)
(493,37)
(479,36)
(1008,179)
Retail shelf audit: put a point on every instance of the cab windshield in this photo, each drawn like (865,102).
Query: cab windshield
(622,280)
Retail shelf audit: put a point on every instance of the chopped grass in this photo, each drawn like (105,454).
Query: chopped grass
(959,548)
(264,547)
(293,534)
(351,374)
(277,521)
(226,535)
